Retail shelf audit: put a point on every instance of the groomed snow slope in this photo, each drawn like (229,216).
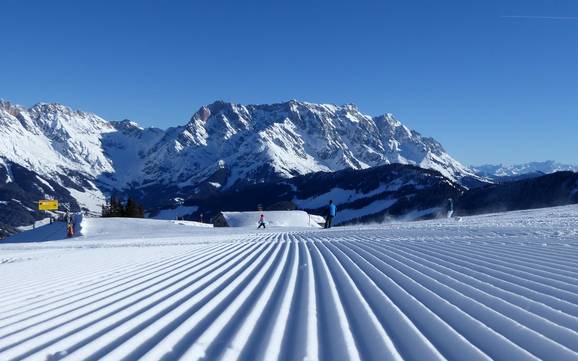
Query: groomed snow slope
(501,287)
(272,219)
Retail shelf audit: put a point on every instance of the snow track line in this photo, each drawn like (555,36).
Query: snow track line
(84,322)
(520,254)
(202,321)
(397,325)
(136,319)
(145,339)
(63,276)
(373,340)
(276,326)
(530,267)
(563,290)
(541,326)
(268,331)
(336,338)
(475,331)
(527,339)
(506,281)
(523,255)
(302,339)
(466,276)
(373,294)
(121,287)
(441,334)
(90,277)
(78,329)
(248,327)
(98,289)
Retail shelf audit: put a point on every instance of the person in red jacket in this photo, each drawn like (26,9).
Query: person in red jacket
(261,221)
(69,230)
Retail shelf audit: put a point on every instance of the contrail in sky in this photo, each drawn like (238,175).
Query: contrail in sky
(537,17)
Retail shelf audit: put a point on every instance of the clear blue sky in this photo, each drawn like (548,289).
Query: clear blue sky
(493,80)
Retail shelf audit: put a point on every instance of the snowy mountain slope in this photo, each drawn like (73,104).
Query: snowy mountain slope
(500,170)
(80,151)
(549,190)
(390,192)
(52,139)
(394,191)
(127,149)
(20,189)
(495,287)
(56,143)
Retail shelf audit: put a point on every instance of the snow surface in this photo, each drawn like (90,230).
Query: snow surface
(339,195)
(272,219)
(174,213)
(502,287)
(40,223)
(377,206)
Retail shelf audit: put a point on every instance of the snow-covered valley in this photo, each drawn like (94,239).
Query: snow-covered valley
(500,286)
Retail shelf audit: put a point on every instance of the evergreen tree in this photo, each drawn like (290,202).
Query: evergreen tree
(132,209)
(116,208)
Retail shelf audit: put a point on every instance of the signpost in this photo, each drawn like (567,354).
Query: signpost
(48,205)
(52,205)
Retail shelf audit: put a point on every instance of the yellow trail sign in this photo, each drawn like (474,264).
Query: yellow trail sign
(48,205)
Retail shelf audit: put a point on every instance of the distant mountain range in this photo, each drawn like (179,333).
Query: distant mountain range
(520,171)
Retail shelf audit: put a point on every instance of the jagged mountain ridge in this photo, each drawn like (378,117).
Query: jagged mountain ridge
(263,142)
(223,146)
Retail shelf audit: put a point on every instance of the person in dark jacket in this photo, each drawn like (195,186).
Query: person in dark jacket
(261,221)
(450,208)
(330,214)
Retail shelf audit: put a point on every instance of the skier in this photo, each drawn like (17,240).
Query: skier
(261,221)
(450,208)
(330,214)
(69,230)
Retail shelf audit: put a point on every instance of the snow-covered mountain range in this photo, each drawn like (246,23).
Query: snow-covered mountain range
(223,146)
(500,170)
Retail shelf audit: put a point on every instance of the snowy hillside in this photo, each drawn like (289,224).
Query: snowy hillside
(495,287)
(392,191)
(222,145)
(556,189)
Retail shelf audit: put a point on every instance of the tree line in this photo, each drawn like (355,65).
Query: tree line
(117,208)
